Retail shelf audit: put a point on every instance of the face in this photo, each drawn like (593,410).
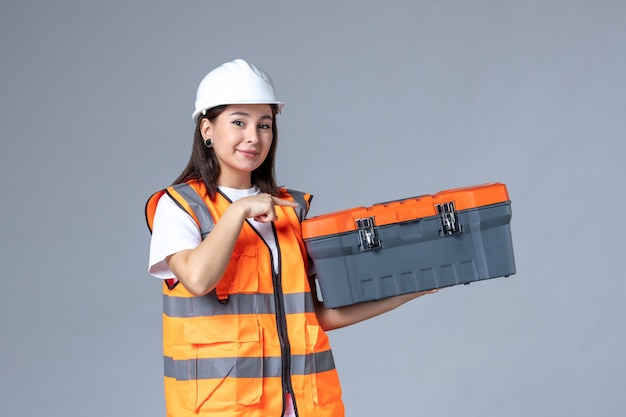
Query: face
(242,136)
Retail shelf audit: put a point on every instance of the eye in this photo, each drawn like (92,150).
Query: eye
(265,126)
(237,122)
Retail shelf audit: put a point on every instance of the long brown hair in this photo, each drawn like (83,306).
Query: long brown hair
(204,166)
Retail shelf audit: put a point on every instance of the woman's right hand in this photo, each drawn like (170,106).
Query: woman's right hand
(261,207)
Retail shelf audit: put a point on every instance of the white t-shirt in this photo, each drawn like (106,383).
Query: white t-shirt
(173,230)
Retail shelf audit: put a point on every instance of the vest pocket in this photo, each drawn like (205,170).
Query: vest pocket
(243,270)
(223,364)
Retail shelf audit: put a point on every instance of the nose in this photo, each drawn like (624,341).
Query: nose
(252,135)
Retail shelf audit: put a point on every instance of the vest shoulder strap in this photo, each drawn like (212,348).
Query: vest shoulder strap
(304,202)
(189,200)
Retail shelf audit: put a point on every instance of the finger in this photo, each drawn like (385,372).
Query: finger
(281,202)
(265,218)
(422,293)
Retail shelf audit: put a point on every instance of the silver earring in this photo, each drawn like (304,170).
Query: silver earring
(208,142)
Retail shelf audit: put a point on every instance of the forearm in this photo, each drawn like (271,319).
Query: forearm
(200,269)
(331,319)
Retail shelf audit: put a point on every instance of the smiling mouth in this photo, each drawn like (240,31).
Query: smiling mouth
(248,153)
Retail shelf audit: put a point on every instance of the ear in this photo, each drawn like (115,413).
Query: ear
(206,128)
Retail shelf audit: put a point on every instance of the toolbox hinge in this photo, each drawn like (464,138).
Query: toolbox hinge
(368,238)
(449,218)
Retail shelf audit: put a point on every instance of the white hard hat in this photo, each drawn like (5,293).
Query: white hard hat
(236,82)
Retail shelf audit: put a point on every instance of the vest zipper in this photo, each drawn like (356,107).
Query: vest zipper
(281,324)
(281,321)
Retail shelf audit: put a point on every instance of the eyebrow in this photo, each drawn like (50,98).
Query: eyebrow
(243,113)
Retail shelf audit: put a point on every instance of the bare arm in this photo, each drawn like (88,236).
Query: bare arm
(331,319)
(200,269)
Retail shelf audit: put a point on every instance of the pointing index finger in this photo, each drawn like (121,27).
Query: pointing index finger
(281,202)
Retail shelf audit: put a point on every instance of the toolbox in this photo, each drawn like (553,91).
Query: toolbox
(416,244)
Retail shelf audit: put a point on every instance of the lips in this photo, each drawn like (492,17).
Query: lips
(248,153)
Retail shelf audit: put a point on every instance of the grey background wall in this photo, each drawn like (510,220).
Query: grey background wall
(384,100)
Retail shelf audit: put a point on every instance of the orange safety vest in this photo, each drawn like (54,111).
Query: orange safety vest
(239,349)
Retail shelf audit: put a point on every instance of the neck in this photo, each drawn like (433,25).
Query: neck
(238,183)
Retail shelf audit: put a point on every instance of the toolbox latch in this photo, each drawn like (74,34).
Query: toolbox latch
(368,238)
(449,218)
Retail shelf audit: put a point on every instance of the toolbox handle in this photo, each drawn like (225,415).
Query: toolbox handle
(417,197)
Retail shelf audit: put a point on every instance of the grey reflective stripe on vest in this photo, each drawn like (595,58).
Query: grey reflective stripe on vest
(244,367)
(303,205)
(237,304)
(198,206)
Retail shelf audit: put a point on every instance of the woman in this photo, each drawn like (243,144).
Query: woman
(243,333)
